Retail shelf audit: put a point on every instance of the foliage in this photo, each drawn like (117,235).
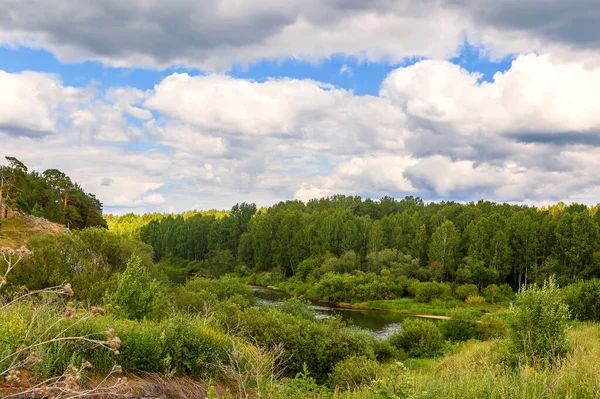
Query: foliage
(354,372)
(379,243)
(426,292)
(51,195)
(318,344)
(466,290)
(472,300)
(460,327)
(583,299)
(90,260)
(538,325)
(418,338)
(136,293)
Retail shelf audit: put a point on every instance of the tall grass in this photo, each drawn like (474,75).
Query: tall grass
(477,371)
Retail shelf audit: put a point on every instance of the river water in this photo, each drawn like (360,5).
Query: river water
(378,323)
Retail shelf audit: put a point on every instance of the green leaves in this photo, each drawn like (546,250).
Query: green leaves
(136,291)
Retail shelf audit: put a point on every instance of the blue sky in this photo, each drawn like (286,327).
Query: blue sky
(206,106)
(360,76)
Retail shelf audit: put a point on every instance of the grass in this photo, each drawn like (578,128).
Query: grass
(16,231)
(476,371)
(438,308)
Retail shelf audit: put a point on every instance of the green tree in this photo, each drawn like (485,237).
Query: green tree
(443,247)
(538,325)
(419,245)
(136,292)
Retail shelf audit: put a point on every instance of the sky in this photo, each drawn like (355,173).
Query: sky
(168,106)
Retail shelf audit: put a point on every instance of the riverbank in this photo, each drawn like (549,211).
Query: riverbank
(401,306)
(406,306)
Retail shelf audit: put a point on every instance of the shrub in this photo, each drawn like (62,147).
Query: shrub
(460,327)
(135,293)
(318,344)
(491,292)
(475,300)
(297,307)
(583,299)
(464,291)
(538,324)
(189,347)
(506,293)
(355,372)
(418,338)
(425,292)
(385,351)
(490,330)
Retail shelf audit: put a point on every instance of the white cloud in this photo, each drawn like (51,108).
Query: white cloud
(435,130)
(215,34)
(536,95)
(30,101)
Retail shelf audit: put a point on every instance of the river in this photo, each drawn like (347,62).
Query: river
(378,323)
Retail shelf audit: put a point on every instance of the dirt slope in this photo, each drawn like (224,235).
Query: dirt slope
(15,231)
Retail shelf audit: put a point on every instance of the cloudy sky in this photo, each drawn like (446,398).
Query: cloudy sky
(168,106)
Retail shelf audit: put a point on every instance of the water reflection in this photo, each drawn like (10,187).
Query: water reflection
(379,323)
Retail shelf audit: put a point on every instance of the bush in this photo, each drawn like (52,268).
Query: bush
(583,299)
(355,372)
(418,338)
(490,330)
(191,348)
(491,292)
(460,327)
(538,325)
(136,292)
(385,351)
(464,291)
(475,300)
(426,292)
(297,307)
(318,344)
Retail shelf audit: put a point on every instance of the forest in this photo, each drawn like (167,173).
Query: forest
(481,243)
(51,195)
(88,312)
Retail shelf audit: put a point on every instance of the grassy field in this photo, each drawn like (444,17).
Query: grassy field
(476,371)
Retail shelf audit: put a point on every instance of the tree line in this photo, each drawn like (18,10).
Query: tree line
(51,195)
(480,243)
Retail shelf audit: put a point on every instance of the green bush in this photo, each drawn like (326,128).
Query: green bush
(475,300)
(426,292)
(418,338)
(538,325)
(297,307)
(318,344)
(583,299)
(490,330)
(189,347)
(461,326)
(491,292)
(182,345)
(136,292)
(355,372)
(385,351)
(464,291)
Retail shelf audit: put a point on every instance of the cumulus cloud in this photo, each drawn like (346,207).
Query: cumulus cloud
(215,34)
(435,130)
(31,103)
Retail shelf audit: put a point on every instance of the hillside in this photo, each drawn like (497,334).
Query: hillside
(14,232)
